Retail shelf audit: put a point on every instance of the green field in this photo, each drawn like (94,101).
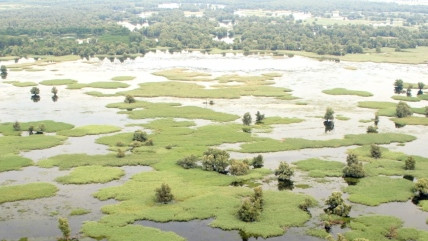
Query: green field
(26,192)
(342,91)
(91,174)
(123,78)
(321,168)
(89,130)
(11,162)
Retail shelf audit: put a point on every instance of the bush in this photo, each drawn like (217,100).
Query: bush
(248,212)
(403,110)
(284,172)
(257,161)
(163,194)
(120,144)
(259,117)
(16,126)
(375,151)
(129,99)
(372,129)
(65,228)
(120,153)
(140,136)
(54,91)
(215,160)
(329,114)
(421,187)
(188,162)
(246,119)
(398,86)
(246,129)
(238,168)
(354,168)
(376,119)
(35,91)
(410,163)
(336,205)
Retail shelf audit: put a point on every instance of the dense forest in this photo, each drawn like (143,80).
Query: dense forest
(60,24)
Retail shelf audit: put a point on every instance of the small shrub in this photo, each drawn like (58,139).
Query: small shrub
(257,161)
(284,172)
(336,205)
(120,153)
(248,212)
(129,99)
(54,91)
(120,144)
(215,160)
(65,228)
(16,126)
(403,110)
(35,91)
(375,151)
(163,194)
(188,162)
(149,142)
(211,102)
(238,168)
(140,136)
(246,129)
(259,117)
(410,163)
(246,119)
(354,168)
(372,129)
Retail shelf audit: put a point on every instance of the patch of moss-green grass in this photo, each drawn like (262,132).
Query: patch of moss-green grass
(79,211)
(275,120)
(100,231)
(405,98)
(67,161)
(386,108)
(411,120)
(123,78)
(166,110)
(423,97)
(91,174)
(21,84)
(258,79)
(343,91)
(366,121)
(53,82)
(414,85)
(373,191)
(342,118)
(107,85)
(27,192)
(89,130)
(50,127)
(317,232)
(199,198)
(321,168)
(184,75)
(382,228)
(424,205)
(16,144)
(76,86)
(11,162)
(271,145)
(192,90)
(99,94)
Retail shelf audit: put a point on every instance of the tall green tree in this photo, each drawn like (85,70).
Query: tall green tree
(328,119)
(420,86)
(398,86)
(246,119)
(3,72)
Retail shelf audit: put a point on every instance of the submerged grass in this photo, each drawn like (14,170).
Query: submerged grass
(321,168)
(91,174)
(27,192)
(373,191)
(11,162)
(270,145)
(79,211)
(89,130)
(343,91)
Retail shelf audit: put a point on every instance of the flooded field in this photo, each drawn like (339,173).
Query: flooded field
(305,77)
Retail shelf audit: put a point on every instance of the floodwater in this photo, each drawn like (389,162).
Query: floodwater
(306,77)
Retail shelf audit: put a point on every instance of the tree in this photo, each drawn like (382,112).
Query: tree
(238,168)
(284,172)
(376,119)
(16,126)
(54,91)
(188,162)
(248,212)
(372,129)
(257,198)
(328,119)
(409,91)
(420,86)
(35,91)
(246,119)
(65,228)
(403,110)
(259,117)
(375,151)
(129,99)
(421,187)
(354,167)
(257,161)
(3,71)
(398,86)
(163,194)
(215,160)
(336,205)
(140,136)
(30,130)
(410,163)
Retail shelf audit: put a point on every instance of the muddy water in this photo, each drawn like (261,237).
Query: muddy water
(306,77)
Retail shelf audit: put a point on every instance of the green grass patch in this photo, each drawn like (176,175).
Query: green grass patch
(382,228)
(99,94)
(54,82)
(424,205)
(405,98)
(91,174)
(270,145)
(411,120)
(51,127)
(76,86)
(366,121)
(79,211)
(321,168)
(123,78)
(184,75)
(317,232)
(343,91)
(11,162)
(342,118)
(193,90)
(373,191)
(107,85)
(173,110)
(89,130)
(21,84)
(386,108)
(275,120)
(249,79)
(16,144)
(26,192)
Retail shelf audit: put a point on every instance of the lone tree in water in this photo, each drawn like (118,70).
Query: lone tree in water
(336,205)
(328,119)
(420,86)
(354,167)
(409,91)
(129,99)
(163,194)
(284,172)
(3,71)
(398,86)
